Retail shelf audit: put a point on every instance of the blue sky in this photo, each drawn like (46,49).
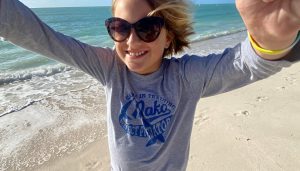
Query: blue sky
(76,3)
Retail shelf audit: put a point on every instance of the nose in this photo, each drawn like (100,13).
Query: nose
(133,38)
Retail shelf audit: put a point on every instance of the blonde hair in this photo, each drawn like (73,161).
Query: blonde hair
(178,22)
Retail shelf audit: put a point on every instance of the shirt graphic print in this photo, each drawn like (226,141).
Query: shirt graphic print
(147,116)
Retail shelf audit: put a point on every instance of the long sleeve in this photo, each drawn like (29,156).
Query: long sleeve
(20,26)
(234,68)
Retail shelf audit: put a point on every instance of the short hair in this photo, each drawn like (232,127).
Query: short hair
(178,22)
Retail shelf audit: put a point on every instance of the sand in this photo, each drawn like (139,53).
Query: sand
(252,128)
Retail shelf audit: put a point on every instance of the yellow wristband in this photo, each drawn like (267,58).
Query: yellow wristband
(271,52)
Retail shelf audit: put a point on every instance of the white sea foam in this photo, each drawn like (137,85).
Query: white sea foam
(45,122)
(6,78)
(20,128)
(198,38)
(2,39)
(20,94)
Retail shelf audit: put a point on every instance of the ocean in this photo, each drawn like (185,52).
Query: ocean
(41,94)
(87,25)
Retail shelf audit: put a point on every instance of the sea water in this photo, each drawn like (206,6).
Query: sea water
(87,25)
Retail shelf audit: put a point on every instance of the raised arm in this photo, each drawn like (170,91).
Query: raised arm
(273,24)
(19,25)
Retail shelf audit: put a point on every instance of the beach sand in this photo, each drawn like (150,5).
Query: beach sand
(252,128)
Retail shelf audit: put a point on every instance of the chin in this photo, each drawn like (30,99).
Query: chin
(137,70)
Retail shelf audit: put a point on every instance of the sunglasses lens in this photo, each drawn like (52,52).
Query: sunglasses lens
(118,29)
(148,29)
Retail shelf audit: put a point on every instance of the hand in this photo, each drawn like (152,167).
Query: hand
(273,24)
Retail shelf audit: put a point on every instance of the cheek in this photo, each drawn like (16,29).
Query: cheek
(118,47)
(163,40)
(160,46)
(158,49)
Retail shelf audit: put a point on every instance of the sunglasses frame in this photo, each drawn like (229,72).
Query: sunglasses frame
(159,20)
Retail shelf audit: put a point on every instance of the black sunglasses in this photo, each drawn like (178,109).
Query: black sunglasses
(147,28)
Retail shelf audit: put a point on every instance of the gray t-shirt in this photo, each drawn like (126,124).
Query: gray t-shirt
(150,117)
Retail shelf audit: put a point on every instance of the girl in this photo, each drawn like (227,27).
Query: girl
(151,100)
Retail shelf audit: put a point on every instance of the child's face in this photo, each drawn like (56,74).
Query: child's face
(139,56)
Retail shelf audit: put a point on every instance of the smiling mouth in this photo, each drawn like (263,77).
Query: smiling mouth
(136,54)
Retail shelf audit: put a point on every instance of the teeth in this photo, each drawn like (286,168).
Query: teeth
(136,54)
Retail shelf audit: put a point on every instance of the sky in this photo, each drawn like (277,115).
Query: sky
(83,3)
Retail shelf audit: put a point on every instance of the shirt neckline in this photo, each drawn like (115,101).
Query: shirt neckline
(151,76)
